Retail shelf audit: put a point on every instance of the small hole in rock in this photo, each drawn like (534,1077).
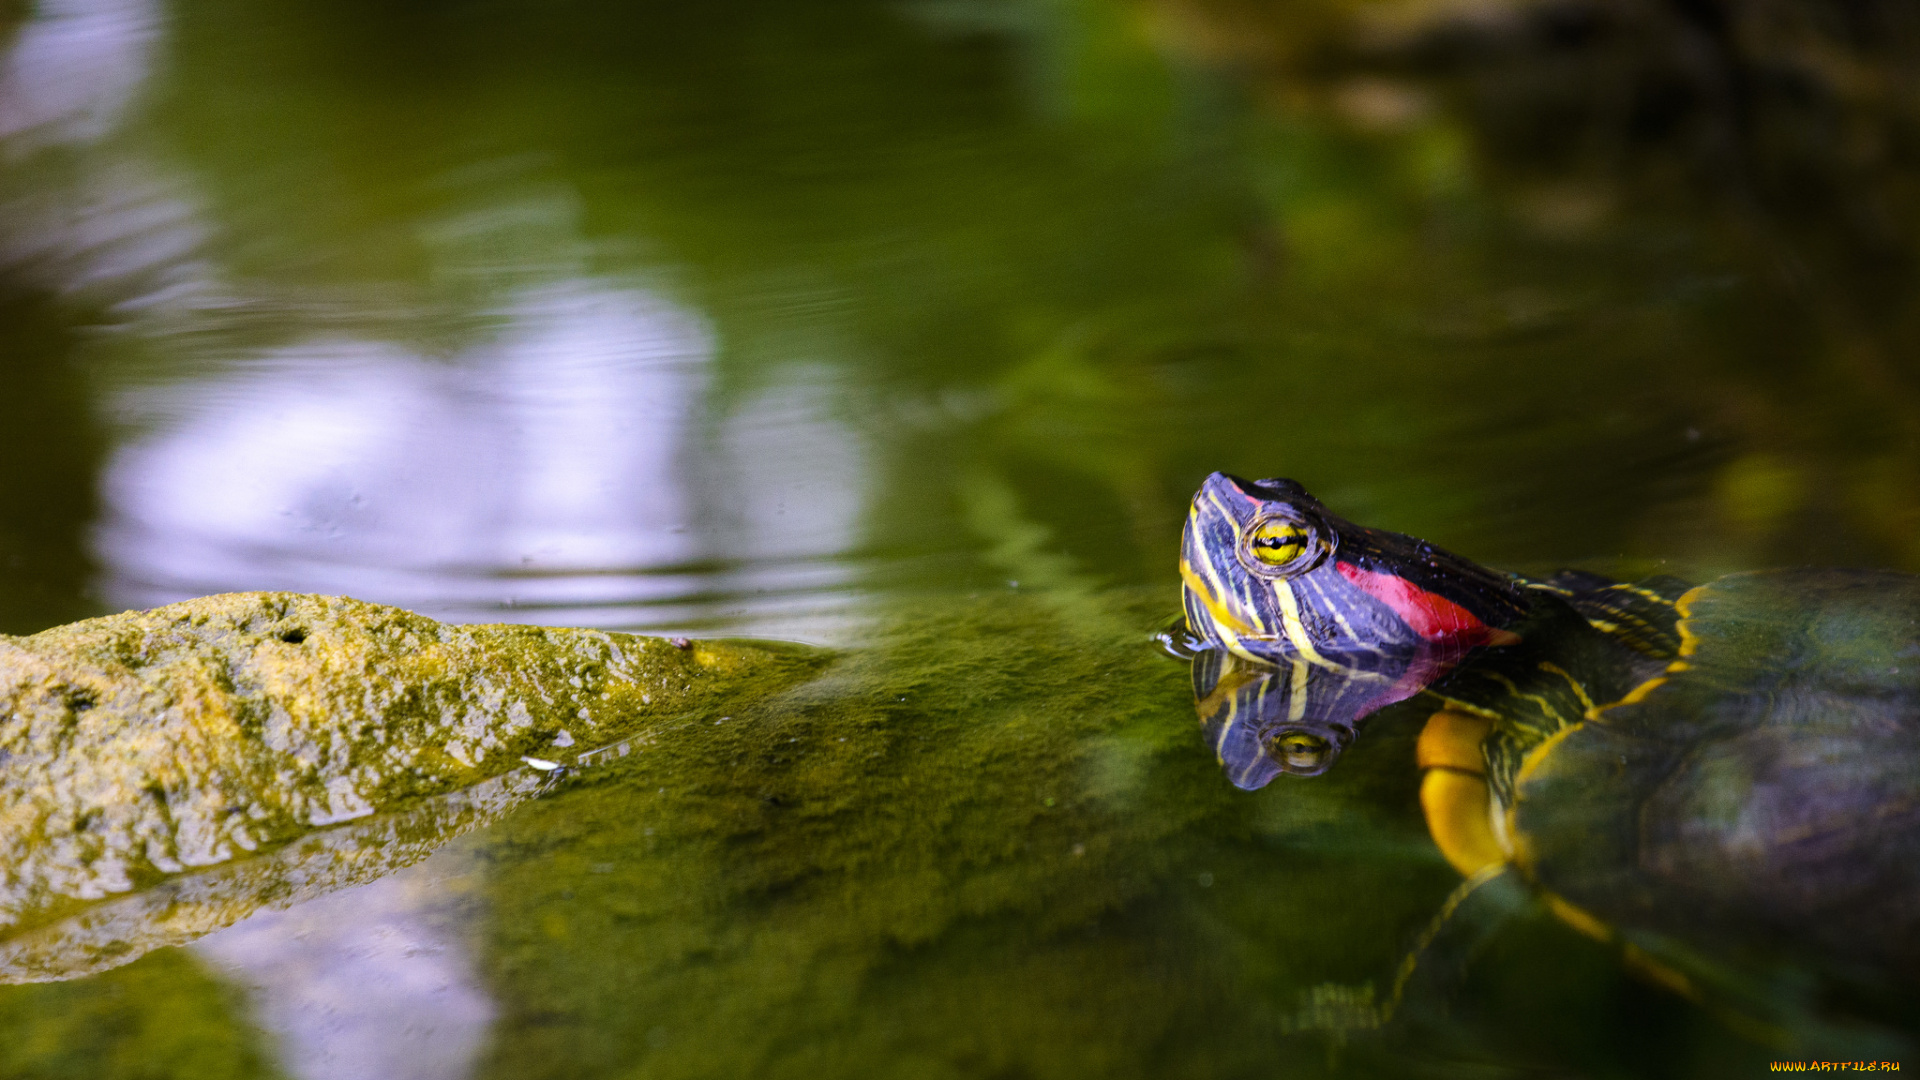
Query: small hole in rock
(294,636)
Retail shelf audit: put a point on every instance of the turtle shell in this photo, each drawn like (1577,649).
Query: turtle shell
(1761,800)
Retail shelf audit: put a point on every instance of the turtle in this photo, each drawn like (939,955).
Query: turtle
(1720,780)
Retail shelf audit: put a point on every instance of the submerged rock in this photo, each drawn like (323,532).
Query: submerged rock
(188,755)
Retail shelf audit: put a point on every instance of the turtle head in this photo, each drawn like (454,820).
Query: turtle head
(1306,624)
(1273,576)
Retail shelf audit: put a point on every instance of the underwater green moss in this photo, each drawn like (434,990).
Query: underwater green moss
(163,1018)
(991,845)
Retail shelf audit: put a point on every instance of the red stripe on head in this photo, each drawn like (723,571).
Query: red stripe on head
(1433,617)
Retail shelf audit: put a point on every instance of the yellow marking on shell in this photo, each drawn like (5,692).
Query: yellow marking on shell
(1754,1031)
(1636,959)
(1634,619)
(1522,855)
(1635,695)
(1643,963)
(1688,641)
(1580,920)
(1644,626)
(1647,593)
(1546,707)
(1553,668)
(1468,707)
(1425,941)
(1639,693)
(1603,625)
(1297,703)
(1531,763)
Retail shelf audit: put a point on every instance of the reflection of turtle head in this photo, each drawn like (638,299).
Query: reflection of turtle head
(1308,623)
(1272,576)
(1264,720)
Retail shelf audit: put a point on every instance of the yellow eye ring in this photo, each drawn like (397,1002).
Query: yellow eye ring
(1282,545)
(1301,753)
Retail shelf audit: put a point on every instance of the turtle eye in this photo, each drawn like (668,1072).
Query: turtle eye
(1299,752)
(1281,546)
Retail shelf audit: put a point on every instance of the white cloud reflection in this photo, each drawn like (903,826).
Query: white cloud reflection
(369,983)
(74,70)
(568,472)
(542,470)
(86,207)
(795,479)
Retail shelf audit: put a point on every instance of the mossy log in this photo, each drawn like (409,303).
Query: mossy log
(211,753)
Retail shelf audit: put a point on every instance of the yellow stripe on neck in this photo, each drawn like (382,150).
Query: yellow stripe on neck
(1297,630)
(1198,586)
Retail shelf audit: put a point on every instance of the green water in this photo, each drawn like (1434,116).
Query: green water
(960,300)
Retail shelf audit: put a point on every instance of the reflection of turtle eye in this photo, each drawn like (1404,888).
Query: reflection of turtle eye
(1299,751)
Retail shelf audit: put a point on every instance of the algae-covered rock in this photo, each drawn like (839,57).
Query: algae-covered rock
(187,755)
